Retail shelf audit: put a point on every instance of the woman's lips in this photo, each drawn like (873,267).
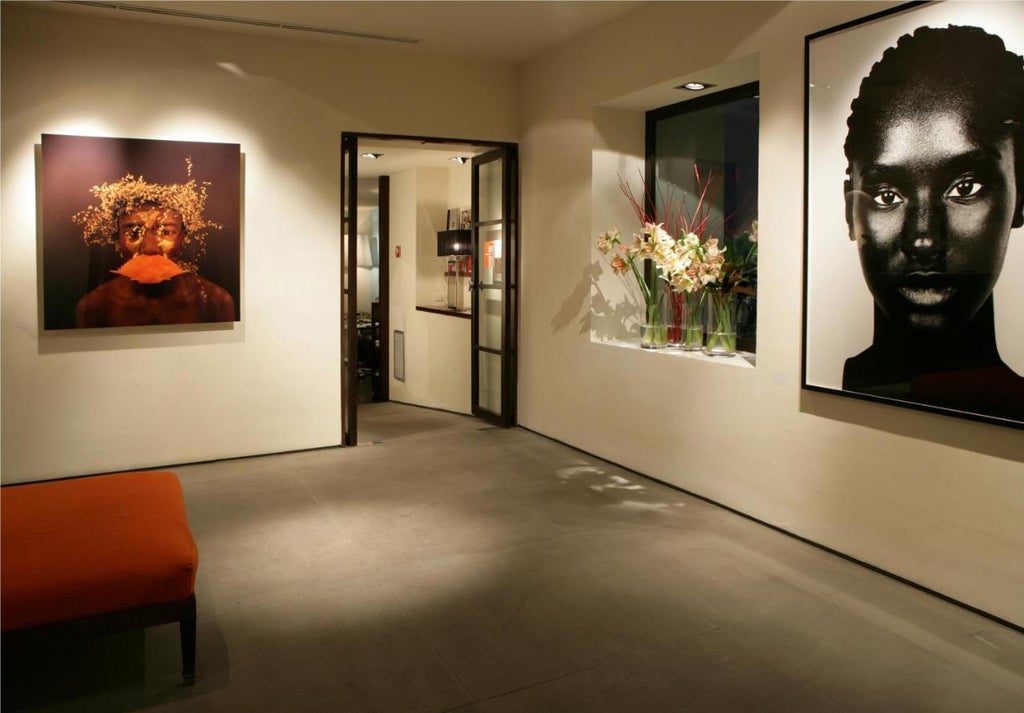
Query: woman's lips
(926,289)
(926,297)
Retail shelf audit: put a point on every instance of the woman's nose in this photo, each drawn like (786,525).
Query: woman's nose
(924,236)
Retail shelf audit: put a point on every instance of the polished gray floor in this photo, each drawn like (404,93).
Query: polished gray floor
(448,566)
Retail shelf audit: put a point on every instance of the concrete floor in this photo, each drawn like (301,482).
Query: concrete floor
(453,567)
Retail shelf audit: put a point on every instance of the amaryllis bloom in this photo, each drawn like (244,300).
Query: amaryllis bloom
(681,282)
(663,254)
(618,264)
(608,239)
(641,248)
(657,234)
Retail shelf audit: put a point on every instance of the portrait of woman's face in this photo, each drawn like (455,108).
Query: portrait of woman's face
(931,206)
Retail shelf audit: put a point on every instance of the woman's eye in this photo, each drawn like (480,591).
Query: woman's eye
(887,197)
(964,189)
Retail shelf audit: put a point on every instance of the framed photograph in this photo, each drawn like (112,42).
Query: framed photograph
(914,180)
(139,232)
(453,219)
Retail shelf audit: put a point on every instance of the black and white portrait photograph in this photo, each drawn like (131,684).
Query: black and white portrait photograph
(914,277)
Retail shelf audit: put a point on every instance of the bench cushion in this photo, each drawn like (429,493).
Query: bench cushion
(76,548)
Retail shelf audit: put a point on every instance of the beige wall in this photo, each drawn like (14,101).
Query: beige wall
(436,345)
(83,402)
(932,498)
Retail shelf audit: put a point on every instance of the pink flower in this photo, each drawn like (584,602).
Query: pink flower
(618,264)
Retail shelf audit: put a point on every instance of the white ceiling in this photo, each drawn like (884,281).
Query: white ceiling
(505,31)
(396,155)
(400,154)
(500,31)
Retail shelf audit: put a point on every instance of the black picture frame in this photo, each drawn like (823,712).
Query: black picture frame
(884,320)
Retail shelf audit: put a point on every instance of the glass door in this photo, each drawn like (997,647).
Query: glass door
(494,294)
(349,336)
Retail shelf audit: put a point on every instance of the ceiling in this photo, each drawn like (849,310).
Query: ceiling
(498,31)
(396,155)
(502,31)
(399,154)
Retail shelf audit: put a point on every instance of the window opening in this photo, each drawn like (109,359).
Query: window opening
(711,143)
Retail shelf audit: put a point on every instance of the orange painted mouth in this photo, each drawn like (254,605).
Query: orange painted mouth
(150,269)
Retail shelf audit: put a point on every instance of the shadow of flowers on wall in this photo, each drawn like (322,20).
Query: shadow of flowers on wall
(605,319)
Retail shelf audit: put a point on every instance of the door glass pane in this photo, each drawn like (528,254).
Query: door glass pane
(490,382)
(489,199)
(492,260)
(490,319)
(492,256)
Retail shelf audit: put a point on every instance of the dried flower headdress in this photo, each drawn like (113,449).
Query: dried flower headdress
(99,222)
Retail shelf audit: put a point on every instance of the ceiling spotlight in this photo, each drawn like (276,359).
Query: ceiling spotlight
(695,86)
(459,159)
(370,155)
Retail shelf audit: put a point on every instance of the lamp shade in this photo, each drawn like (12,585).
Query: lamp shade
(454,242)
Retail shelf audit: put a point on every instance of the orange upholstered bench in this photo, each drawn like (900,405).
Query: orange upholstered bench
(98,554)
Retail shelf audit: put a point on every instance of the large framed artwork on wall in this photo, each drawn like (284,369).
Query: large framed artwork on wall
(914,179)
(139,232)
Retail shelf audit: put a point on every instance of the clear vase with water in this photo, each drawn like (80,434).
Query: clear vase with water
(721,323)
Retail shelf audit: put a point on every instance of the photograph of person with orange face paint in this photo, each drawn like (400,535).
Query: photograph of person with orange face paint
(932,205)
(139,232)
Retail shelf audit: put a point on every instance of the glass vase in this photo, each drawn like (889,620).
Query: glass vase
(721,323)
(674,317)
(654,332)
(692,336)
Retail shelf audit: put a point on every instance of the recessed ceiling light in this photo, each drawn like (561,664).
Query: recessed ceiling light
(459,159)
(370,155)
(695,86)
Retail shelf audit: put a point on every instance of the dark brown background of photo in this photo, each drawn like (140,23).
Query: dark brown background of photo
(71,165)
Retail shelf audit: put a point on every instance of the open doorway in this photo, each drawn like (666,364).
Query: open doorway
(430,280)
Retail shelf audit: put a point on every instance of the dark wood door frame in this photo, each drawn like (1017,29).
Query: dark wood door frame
(384,285)
(349,391)
(509,223)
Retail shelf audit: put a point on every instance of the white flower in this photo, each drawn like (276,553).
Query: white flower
(607,239)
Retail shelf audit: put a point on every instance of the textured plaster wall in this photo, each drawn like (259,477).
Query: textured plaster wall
(935,499)
(83,402)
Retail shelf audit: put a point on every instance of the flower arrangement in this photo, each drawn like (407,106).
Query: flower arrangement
(740,270)
(738,276)
(651,243)
(695,267)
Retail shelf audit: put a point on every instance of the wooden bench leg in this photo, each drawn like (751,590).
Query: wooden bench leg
(187,628)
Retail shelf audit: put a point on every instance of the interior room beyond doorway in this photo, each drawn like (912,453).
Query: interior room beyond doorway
(414,271)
